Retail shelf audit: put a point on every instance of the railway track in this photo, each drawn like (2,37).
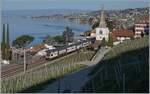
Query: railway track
(13,69)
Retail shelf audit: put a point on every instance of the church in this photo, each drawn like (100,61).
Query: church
(102,30)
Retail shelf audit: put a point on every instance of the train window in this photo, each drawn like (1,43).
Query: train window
(51,54)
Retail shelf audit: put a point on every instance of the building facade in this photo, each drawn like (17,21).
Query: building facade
(141,28)
(121,35)
(102,31)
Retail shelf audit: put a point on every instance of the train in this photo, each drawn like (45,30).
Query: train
(50,54)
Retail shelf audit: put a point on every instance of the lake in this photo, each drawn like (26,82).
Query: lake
(19,25)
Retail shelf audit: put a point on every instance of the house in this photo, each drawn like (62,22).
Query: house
(37,48)
(141,27)
(95,45)
(120,35)
(93,33)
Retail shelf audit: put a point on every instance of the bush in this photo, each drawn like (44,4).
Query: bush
(110,41)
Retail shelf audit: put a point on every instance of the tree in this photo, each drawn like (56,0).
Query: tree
(103,43)
(48,40)
(8,50)
(3,44)
(90,21)
(5,47)
(7,35)
(109,25)
(95,25)
(22,41)
(59,38)
(68,35)
(110,41)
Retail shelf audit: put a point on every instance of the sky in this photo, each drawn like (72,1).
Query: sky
(72,4)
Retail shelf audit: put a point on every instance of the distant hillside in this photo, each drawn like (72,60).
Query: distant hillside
(125,68)
(40,12)
(95,13)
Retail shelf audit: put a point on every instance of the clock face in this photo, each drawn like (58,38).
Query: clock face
(101,32)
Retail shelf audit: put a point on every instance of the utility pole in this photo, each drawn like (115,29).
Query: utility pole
(24,60)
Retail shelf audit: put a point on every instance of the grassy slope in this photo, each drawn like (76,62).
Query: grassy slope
(35,80)
(125,63)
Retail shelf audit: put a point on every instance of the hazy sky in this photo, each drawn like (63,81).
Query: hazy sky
(72,4)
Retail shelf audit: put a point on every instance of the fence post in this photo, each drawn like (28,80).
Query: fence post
(124,83)
(93,87)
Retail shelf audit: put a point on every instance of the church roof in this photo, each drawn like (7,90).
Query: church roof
(102,23)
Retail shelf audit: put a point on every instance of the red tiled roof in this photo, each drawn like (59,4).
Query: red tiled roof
(123,33)
(93,31)
(144,20)
(37,48)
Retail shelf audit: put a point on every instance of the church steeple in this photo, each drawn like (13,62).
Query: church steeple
(102,23)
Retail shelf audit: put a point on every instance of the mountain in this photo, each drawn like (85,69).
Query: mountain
(40,12)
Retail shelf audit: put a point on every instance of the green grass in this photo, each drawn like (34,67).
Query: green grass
(131,59)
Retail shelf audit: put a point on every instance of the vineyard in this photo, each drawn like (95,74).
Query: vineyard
(125,68)
(27,82)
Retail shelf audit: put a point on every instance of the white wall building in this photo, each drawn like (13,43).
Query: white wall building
(102,31)
(49,46)
(141,27)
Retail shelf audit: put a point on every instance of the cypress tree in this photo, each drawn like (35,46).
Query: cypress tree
(110,41)
(8,52)
(103,43)
(5,48)
(3,37)
(3,43)
(7,35)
